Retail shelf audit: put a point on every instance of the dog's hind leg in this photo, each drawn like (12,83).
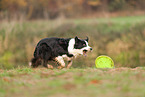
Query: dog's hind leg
(49,66)
(45,63)
(45,53)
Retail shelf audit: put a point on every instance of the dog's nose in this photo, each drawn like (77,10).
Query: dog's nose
(91,49)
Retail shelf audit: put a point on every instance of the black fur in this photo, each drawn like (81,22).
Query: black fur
(49,48)
(79,43)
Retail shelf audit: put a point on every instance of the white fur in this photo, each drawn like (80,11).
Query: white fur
(60,60)
(67,58)
(71,49)
(74,51)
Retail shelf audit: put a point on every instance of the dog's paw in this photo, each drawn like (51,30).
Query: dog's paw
(49,66)
(68,67)
(59,67)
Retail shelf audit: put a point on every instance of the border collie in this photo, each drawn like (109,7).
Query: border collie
(58,49)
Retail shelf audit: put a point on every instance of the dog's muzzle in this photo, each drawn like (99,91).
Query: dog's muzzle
(85,51)
(91,49)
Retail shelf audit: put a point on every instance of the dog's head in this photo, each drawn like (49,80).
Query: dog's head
(79,46)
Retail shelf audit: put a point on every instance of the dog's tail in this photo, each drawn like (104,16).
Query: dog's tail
(35,62)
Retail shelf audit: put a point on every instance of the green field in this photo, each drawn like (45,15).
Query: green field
(89,82)
(121,38)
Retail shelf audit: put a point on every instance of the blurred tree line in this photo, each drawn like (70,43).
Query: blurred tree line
(50,9)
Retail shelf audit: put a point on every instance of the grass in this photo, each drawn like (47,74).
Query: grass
(118,20)
(27,82)
(121,38)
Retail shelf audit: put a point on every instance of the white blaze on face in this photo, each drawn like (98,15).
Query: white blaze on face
(71,49)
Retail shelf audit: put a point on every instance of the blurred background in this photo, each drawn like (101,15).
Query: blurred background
(115,28)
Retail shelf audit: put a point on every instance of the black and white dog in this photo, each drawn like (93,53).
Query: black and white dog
(58,49)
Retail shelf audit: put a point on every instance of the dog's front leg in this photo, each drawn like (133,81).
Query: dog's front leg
(60,60)
(69,64)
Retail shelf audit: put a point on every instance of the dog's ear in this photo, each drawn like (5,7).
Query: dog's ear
(87,39)
(76,39)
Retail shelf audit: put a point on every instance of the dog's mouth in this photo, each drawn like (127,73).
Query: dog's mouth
(85,52)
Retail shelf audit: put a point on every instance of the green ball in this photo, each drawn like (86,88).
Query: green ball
(104,62)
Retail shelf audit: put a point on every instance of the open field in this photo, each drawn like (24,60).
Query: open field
(121,38)
(88,82)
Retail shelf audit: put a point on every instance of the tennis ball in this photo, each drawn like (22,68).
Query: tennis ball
(104,62)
